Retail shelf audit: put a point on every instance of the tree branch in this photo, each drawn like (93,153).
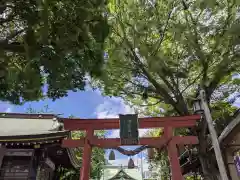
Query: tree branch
(221,71)
(225,25)
(5,20)
(14,34)
(164,31)
(153,104)
(12,47)
(159,89)
(193,82)
(198,49)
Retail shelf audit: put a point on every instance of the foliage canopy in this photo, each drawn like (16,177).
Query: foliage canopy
(166,50)
(49,42)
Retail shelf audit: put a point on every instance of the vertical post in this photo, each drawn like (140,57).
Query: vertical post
(31,168)
(142,163)
(2,153)
(87,151)
(214,137)
(173,154)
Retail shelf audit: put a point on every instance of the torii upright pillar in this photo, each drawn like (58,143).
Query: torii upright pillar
(87,152)
(173,155)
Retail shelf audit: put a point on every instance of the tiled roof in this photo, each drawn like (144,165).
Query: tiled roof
(14,125)
(109,173)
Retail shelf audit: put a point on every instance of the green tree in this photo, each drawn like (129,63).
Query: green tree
(163,51)
(158,158)
(45,109)
(49,42)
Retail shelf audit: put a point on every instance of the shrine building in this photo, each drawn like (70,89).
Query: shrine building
(111,172)
(30,147)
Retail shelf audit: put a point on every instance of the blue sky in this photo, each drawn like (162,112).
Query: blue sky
(86,104)
(80,104)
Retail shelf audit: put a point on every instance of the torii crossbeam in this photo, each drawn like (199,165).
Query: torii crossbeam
(168,123)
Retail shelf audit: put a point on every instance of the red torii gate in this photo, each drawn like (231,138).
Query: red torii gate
(168,123)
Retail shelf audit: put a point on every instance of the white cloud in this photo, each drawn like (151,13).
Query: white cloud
(8,110)
(111,108)
(5,107)
(115,133)
(237,102)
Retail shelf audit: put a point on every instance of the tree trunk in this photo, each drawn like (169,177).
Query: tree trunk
(209,171)
(206,157)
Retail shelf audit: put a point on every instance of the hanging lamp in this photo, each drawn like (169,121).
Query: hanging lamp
(131,164)
(111,156)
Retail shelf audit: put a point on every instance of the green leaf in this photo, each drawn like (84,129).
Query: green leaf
(236,81)
(58,44)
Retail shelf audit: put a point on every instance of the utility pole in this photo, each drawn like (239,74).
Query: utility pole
(141,163)
(214,136)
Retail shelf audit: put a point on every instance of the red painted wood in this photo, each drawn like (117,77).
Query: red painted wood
(87,151)
(111,142)
(156,142)
(73,143)
(173,154)
(115,142)
(149,122)
(174,161)
(183,140)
